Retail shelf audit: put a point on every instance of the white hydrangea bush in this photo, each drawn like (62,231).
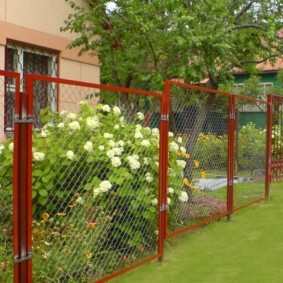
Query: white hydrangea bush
(97,158)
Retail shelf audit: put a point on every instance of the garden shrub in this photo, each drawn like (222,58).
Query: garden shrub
(211,150)
(252,147)
(98,173)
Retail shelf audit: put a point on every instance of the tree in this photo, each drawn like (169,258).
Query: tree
(142,42)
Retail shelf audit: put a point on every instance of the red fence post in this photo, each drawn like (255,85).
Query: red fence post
(22,183)
(230,161)
(268,145)
(163,169)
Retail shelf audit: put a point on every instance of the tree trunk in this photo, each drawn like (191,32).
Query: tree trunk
(202,113)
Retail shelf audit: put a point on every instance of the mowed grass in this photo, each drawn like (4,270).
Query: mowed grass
(247,249)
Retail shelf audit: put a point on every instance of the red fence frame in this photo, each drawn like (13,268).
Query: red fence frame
(163,160)
(230,160)
(22,180)
(272,164)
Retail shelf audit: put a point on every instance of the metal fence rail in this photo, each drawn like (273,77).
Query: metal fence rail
(9,240)
(224,154)
(97,188)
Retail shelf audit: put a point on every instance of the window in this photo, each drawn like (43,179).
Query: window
(24,60)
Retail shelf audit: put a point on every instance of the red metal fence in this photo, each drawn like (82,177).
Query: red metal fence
(99,187)
(275,112)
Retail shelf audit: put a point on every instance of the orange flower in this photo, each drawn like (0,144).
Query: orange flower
(141,247)
(91,225)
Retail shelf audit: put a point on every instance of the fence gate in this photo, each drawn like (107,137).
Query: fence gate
(276,136)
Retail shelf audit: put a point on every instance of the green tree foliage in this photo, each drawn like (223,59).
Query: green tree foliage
(140,43)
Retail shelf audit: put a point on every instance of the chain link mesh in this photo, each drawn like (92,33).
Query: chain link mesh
(95,185)
(7,92)
(277,140)
(249,152)
(199,119)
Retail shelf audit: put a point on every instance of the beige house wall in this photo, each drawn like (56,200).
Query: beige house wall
(37,23)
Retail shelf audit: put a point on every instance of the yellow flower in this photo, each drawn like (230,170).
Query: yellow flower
(61,213)
(88,255)
(196,163)
(45,216)
(186,181)
(187,155)
(178,153)
(202,174)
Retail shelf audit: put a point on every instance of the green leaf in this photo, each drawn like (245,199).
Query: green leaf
(43,200)
(43,193)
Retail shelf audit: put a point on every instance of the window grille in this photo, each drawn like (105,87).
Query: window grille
(23,59)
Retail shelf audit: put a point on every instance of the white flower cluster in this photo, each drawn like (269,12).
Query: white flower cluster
(83,102)
(170,190)
(170,134)
(11,147)
(92,122)
(106,108)
(38,156)
(138,135)
(183,197)
(118,150)
(155,132)
(133,162)
(74,125)
(180,140)
(154,201)
(181,163)
(148,177)
(70,154)
(182,149)
(60,125)
(88,146)
(120,143)
(103,187)
(145,143)
(110,153)
(108,136)
(116,161)
(140,116)
(72,116)
(63,113)
(111,143)
(1,148)
(44,133)
(146,160)
(116,111)
(101,147)
(173,146)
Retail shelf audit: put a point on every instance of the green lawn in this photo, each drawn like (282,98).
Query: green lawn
(249,249)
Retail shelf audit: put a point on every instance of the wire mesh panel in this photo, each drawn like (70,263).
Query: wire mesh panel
(7,93)
(199,121)
(277,139)
(95,184)
(249,151)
